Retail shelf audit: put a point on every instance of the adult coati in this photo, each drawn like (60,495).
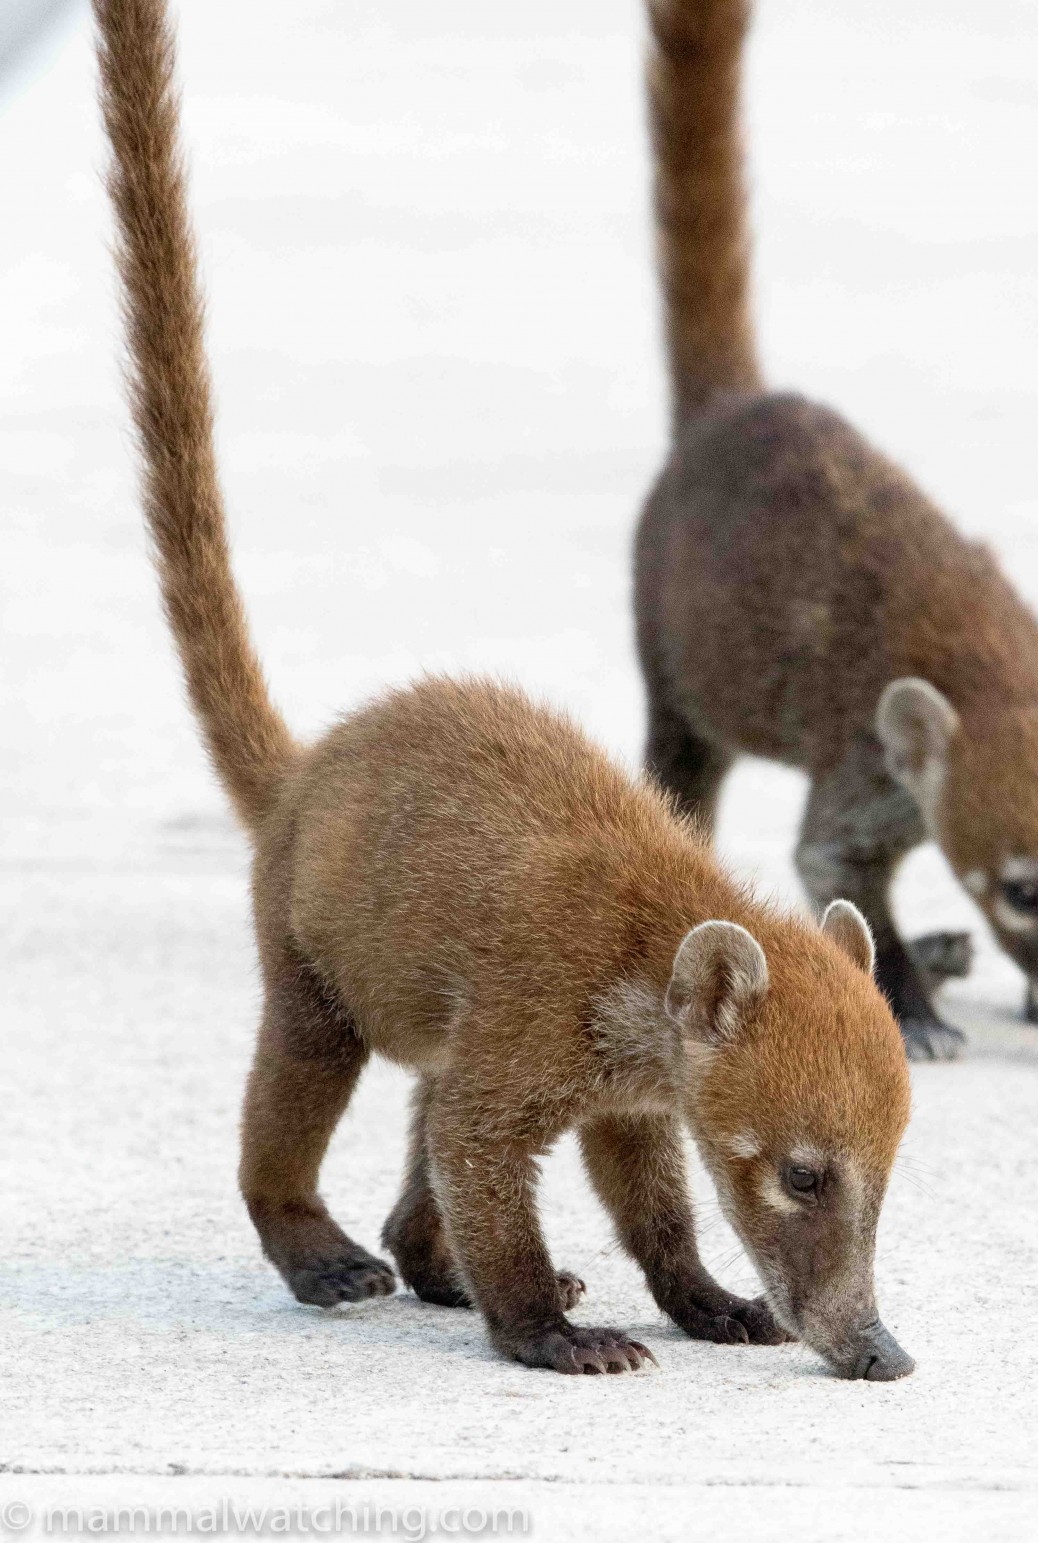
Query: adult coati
(799,598)
(458,880)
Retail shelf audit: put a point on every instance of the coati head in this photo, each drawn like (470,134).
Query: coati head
(977,790)
(799,1095)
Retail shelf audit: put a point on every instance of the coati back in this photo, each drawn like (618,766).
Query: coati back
(799,598)
(458,880)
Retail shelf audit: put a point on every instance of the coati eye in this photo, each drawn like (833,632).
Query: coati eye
(802,1181)
(1021,894)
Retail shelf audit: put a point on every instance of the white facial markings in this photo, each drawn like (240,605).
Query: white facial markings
(1012,920)
(744,1144)
(976,881)
(1020,869)
(772,1194)
(1017,873)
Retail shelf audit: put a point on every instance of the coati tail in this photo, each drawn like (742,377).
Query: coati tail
(170,395)
(704,246)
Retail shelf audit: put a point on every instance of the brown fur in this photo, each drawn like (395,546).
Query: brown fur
(704,249)
(787,573)
(458,880)
(170,395)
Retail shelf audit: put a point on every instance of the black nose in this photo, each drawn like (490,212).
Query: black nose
(881,1358)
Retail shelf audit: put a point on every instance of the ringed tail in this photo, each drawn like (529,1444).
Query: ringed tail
(170,397)
(694,75)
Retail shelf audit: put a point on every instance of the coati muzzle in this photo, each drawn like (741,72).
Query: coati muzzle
(880,1358)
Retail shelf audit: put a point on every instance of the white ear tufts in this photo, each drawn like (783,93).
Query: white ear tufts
(720,974)
(849,930)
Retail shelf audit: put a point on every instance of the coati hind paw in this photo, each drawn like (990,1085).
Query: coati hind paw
(354,1277)
(576,1352)
(928,1039)
(571,1289)
(447,1292)
(441,1291)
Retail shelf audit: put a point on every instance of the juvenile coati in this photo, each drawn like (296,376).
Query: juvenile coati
(798,598)
(460,881)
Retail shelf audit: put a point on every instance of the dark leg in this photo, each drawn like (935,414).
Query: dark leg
(856,828)
(485,1174)
(688,766)
(1030,1004)
(637,1166)
(307,1064)
(415,1234)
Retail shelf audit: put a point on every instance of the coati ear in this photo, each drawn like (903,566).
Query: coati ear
(720,973)
(850,931)
(915,725)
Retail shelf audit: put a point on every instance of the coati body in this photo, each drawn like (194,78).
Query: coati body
(799,598)
(458,880)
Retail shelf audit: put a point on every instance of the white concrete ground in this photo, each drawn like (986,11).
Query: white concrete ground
(434,332)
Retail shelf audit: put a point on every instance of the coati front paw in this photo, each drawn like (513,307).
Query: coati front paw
(732,1327)
(928,1039)
(724,1319)
(760,1324)
(352,1277)
(574,1351)
(943,956)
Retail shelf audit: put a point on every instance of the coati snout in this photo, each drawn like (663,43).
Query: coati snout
(808,1222)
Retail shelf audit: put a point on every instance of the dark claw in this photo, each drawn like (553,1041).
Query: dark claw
(644,1352)
(593,1352)
(714,1314)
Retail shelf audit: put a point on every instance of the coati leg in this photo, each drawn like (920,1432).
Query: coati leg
(857,826)
(415,1234)
(414,1231)
(308,1060)
(685,764)
(483,1160)
(637,1166)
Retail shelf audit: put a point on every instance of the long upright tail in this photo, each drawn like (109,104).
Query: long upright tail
(694,80)
(247,739)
